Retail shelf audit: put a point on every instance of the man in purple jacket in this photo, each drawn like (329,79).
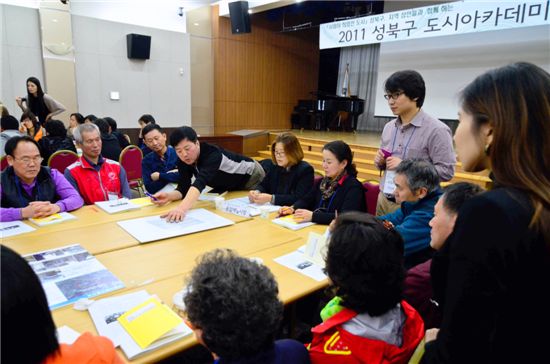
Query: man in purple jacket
(29,190)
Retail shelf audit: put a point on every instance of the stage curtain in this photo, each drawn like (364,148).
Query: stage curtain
(363,72)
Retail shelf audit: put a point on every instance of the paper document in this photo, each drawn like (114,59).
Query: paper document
(70,273)
(316,249)
(66,335)
(142,201)
(12,228)
(106,312)
(149,321)
(114,206)
(289,222)
(253,208)
(153,228)
(298,263)
(53,219)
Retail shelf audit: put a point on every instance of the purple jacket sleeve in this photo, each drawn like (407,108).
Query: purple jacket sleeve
(69,199)
(9,213)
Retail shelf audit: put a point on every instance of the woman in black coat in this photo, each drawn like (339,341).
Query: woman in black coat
(492,276)
(339,191)
(288,178)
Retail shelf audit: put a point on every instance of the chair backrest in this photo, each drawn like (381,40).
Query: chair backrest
(3,163)
(61,159)
(130,160)
(317,179)
(371,196)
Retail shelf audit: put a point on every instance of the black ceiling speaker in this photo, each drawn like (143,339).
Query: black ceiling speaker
(240,19)
(138,46)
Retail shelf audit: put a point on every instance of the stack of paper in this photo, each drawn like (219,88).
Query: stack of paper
(53,219)
(137,322)
(308,260)
(70,273)
(152,228)
(289,222)
(252,208)
(12,228)
(114,206)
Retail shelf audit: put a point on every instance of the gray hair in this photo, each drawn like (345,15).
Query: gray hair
(419,173)
(84,128)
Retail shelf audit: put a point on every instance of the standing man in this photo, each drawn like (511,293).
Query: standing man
(412,135)
(29,190)
(159,167)
(95,177)
(210,165)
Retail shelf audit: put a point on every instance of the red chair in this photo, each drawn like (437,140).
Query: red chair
(61,159)
(130,160)
(3,163)
(371,196)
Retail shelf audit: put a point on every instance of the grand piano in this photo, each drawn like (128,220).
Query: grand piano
(327,111)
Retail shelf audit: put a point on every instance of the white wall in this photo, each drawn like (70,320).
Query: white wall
(21,53)
(449,63)
(159,14)
(160,86)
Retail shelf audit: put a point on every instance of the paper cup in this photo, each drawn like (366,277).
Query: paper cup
(264,212)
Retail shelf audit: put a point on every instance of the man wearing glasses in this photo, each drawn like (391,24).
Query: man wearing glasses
(30,190)
(412,135)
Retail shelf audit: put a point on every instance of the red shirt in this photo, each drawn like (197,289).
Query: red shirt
(332,344)
(87,349)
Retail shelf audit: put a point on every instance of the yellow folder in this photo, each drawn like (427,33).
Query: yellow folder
(149,321)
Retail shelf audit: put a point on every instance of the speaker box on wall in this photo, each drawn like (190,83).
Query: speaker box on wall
(240,19)
(138,46)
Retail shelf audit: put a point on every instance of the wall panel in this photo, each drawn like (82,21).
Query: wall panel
(259,77)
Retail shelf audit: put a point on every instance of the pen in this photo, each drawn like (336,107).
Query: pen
(152,197)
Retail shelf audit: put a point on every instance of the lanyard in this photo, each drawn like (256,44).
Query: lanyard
(406,145)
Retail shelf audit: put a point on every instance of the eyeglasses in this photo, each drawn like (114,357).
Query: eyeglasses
(393,96)
(28,160)
(279,154)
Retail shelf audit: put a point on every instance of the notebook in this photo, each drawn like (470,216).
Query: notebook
(289,223)
(52,219)
(115,206)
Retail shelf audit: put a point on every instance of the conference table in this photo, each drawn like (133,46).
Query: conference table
(161,267)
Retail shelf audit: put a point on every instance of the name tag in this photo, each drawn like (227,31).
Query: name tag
(389,184)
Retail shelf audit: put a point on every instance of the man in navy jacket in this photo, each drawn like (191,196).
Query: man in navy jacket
(417,191)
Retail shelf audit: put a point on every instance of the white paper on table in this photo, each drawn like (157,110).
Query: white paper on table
(297,263)
(169,187)
(12,228)
(114,206)
(151,228)
(66,335)
(254,208)
(105,313)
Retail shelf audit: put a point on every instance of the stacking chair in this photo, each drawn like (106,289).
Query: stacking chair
(61,159)
(130,160)
(3,163)
(372,189)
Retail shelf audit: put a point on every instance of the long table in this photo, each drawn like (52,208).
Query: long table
(161,267)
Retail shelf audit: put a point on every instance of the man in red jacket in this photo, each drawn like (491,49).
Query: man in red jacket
(96,178)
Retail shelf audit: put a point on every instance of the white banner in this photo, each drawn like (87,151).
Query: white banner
(432,21)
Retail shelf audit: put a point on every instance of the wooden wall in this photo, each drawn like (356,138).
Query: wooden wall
(259,76)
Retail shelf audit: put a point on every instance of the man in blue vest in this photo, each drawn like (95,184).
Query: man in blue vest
(29,190)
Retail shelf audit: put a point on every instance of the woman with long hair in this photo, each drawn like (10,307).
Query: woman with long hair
(493,272)
(40,103)
(30,126)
